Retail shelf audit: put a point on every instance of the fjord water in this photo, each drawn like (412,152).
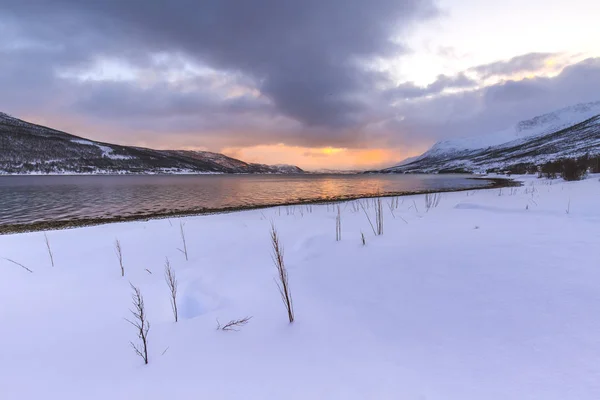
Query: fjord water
(33,199)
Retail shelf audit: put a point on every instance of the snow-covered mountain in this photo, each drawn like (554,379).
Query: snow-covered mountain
(29,148)
(237,165)
(569,132)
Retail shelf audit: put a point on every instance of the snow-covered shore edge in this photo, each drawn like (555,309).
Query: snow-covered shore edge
(495,181)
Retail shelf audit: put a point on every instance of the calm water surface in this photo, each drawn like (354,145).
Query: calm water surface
(33,199)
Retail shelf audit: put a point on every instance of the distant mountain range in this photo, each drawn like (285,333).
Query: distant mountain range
(567,133)
(328,171)
(26,148)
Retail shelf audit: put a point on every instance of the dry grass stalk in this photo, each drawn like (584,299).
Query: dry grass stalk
(233,325)
(171,280)
(119,252)
(19,264)
(140,322)
(282,275)
(391,207)
(49,249)
(378,227)
(184,251)
(379,216)
(368,219)
(432,200)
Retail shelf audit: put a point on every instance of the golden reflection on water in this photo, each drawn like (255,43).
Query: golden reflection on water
(50,198)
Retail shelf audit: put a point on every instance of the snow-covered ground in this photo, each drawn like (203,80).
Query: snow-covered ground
(491,295)
(106,151)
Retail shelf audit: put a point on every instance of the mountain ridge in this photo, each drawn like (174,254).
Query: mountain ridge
(27,148)
(565,133)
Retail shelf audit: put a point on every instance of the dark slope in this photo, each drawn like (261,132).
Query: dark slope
(29,148)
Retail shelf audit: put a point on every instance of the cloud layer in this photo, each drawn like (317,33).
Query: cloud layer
(225,73)
(305,58)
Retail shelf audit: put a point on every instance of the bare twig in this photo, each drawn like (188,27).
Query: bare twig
(415,204)
(19,264)
(282,275)
(233,325)
(432,200)
(148,271)
(172,283)
(49,249)
(362,237)
(119,252)
(379,216)
(378,205)
(391,207)
(368,219)
(184,251)
(140,322)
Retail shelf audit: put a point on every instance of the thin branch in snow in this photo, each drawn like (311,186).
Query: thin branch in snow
(184,251)
(368,219)
(49,249)
(391,207)
(282,275)
(119,252)
(172,283)
(19,264)
(140,322)
(233,325)
(432,200)
(379,216)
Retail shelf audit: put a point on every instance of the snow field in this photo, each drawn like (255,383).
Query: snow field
(490,295)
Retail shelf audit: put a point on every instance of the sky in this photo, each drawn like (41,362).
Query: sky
(336,84)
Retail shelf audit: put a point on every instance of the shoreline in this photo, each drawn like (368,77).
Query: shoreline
(10,229)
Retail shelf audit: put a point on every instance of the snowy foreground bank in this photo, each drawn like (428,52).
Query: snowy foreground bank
(493,294)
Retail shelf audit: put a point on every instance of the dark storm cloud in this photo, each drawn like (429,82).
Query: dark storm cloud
(278,72)
(530,62)
(304,56)
(121,100)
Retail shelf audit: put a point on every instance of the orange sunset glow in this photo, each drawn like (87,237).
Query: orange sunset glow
(321,158)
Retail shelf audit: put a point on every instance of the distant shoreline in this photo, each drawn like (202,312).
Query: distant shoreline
(8,229)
